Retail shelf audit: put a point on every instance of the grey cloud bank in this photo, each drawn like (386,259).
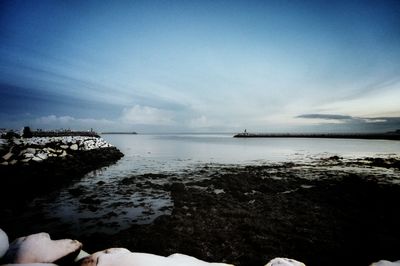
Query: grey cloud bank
(352,124)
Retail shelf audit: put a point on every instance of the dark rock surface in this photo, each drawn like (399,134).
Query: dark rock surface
(20,183)
(245,217)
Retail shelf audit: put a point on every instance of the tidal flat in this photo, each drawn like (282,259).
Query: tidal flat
(328,211)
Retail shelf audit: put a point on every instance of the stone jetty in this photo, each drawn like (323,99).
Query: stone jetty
(32,166)
(37,149)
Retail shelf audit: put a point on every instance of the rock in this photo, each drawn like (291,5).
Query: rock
(39,248)
(284,262)
(64,147)
(74,147)
(47,149)
(36,159)
(386,263)
(29,155)
(42,156)
(30,150)
(82,254)
(4,163)
(26,160)
(123,257)
(30,264)
(63,154)
(13,162)
(3,243)
(8,156)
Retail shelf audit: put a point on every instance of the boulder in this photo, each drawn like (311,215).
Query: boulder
(123,257)
(3,243)
(386,263)
(30,264)
(74,147)
(8,156)
(39,248)
(36,159)
(42,156)
(284,262)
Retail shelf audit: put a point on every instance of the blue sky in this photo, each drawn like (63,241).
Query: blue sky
(172,66)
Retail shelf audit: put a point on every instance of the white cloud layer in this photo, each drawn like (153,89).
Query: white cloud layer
(145,115)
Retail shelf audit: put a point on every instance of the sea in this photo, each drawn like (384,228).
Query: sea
(173,152)
(105,205)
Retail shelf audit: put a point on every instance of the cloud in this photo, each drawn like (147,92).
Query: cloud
(145,115)
(56,122)
(351,123)
(325,116)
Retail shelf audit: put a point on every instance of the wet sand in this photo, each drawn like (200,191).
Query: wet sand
(330,211)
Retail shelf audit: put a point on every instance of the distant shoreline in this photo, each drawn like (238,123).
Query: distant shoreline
(118,133)
(385,136)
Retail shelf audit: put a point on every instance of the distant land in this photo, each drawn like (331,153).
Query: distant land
(128,133)
(393,135)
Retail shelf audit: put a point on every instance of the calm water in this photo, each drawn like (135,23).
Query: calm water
(178,155)
(155,153)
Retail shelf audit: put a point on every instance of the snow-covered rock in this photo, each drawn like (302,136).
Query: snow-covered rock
(3,243)
(123,257)
(386,263)
(30,264)
(39,248)
(284,262)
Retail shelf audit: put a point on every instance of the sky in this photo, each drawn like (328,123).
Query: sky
(200,66)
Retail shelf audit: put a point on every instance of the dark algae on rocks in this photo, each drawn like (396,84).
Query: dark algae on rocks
(249,215)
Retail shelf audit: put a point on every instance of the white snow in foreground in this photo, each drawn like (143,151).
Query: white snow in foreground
(123,257)
(39,248)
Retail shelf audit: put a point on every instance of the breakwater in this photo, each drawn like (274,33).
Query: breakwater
(387,136)
(31,166)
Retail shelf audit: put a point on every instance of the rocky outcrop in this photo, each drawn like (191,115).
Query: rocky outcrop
(37,149)
(30,167)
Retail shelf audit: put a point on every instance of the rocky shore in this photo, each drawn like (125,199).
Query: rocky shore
(330,211)
(33,166)
(324,213)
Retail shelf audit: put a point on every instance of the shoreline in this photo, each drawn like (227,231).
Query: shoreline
(320,213)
